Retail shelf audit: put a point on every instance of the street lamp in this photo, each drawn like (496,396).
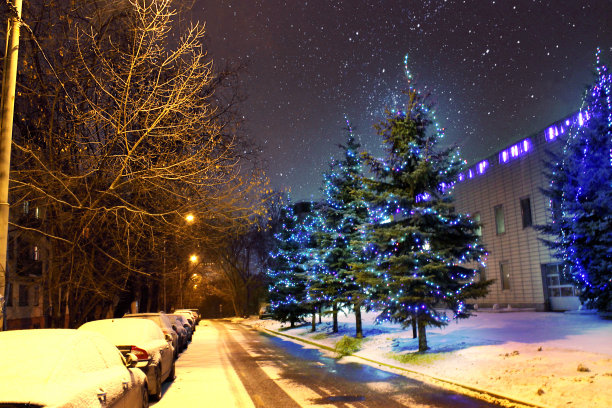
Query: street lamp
(194,260)
(189,218)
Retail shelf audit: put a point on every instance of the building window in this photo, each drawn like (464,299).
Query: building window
(26,207)
(478,230)
(23,295)
(559,281)
(35,253)
(504,273)
(482,273)
(500,223)
(526,212)
(9,294)
(36,301)
(37,213)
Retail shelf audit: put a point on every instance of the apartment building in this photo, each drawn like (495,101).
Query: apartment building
(25,255)
(504,193)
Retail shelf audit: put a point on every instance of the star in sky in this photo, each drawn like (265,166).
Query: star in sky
(497,70)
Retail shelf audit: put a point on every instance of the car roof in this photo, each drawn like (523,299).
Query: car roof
(125,331)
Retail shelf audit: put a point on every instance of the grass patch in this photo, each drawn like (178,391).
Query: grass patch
(319,336)
(347,346)
(418,358)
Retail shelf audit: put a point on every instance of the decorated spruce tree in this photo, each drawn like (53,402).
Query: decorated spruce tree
(312,270)
(580,231)
(286,273)
(345,215)
(427,254)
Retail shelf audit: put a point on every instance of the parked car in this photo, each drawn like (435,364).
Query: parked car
(161,319)
(187,324)
(194,312)
(190,316)
(146,341)
(67,368)
(183,332)
(265,311)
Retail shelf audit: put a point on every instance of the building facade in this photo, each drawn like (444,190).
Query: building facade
(25,264)
(503,192)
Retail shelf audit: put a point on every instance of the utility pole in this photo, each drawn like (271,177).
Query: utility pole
(9,79)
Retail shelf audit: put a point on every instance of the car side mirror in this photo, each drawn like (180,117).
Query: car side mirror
(131,360)
(168,338)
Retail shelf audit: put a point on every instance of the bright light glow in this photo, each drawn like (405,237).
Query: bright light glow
(193,258)
(514,151)
(189,218)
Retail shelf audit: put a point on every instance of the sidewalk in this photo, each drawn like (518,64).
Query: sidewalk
(543,359)
(204,376)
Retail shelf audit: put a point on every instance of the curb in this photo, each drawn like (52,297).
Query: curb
(407,370)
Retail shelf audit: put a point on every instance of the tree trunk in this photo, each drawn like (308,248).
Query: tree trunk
(314,320)
(358,327)
(422,335)
(320,313)
(414,326)
(335,317)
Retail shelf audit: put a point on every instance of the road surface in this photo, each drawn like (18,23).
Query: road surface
(230,365)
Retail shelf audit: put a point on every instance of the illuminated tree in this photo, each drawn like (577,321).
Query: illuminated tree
(581,197)
(288,289)
(423,246)
(342,244)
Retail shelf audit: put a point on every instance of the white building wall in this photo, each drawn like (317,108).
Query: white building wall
(506,184)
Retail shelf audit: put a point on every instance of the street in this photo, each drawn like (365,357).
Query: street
(229,365)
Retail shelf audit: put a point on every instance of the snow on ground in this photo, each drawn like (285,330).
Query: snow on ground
(546,359)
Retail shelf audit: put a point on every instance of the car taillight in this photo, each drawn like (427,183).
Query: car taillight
(140,353)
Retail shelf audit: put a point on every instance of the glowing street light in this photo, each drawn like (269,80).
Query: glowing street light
(189,218)
(193,258)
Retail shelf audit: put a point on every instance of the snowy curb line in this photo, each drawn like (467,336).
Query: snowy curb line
(440,379)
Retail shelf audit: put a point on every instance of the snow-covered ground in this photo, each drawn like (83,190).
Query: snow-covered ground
(547,359)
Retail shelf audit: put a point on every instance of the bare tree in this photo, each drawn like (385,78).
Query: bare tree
(126,137)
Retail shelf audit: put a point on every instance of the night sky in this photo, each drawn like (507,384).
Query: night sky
(498,70)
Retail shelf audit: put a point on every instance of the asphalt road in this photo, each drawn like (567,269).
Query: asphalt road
(280,373)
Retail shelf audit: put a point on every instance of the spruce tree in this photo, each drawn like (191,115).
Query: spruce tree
(581,197)
(288,278)
(425,250)
(345,215)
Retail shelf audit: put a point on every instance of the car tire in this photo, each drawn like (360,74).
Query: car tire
(172,374)
(145,397)
(158,385)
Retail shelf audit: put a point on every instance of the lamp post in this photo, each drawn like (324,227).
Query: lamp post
(9,80)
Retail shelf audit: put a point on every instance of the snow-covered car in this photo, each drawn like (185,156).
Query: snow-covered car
(146,341)
(190,316)
(162,321)
(194,312)
(66,368)
(184,332)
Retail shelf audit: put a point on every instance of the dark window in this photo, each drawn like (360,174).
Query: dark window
(35,301)
(23,295)
(526,212)
(478,230)
(504,272)
(9,294)
(483,273)
(500,223)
